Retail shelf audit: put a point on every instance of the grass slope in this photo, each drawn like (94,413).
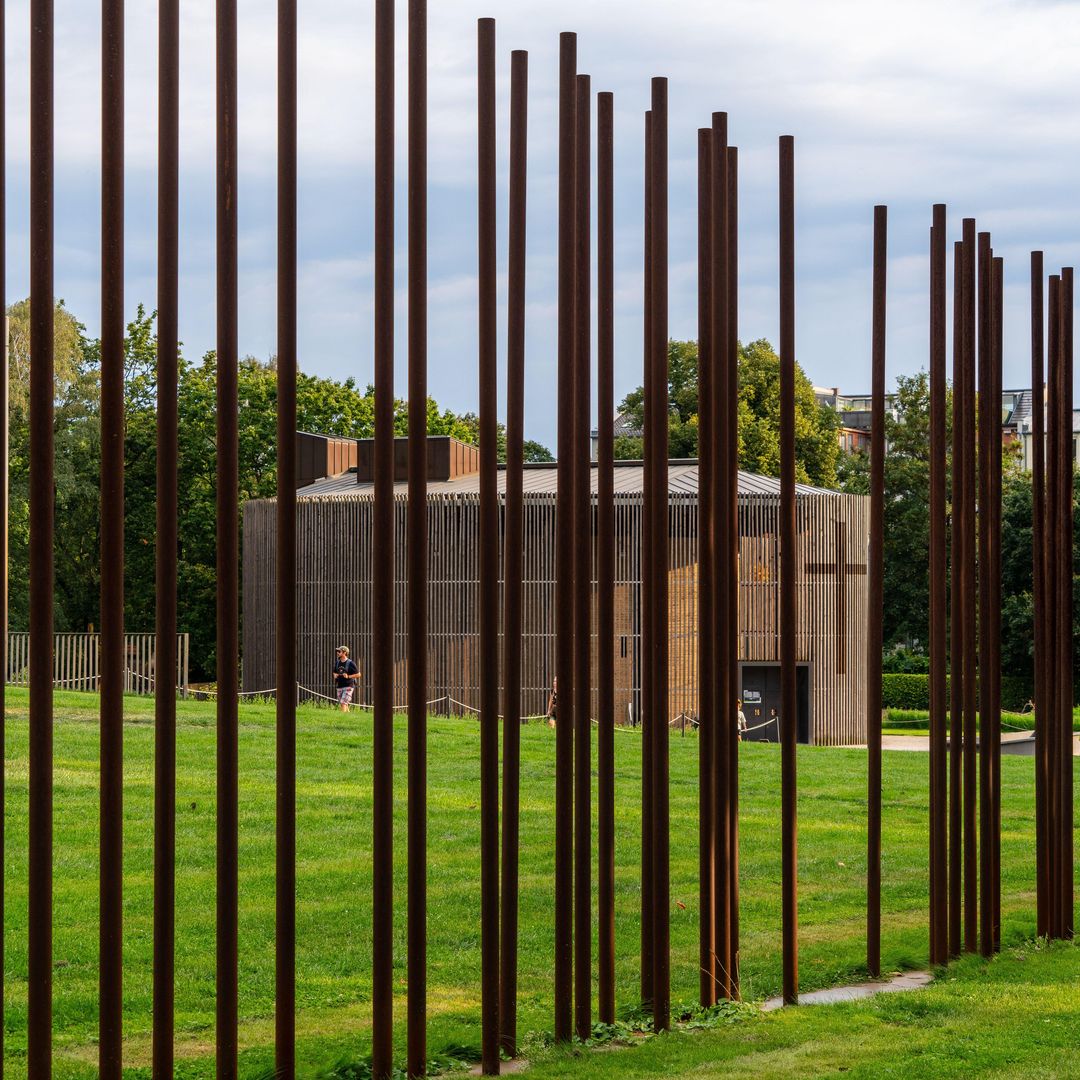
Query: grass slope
(334,886)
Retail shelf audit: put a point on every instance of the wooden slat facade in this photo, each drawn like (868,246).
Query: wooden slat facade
(334,575)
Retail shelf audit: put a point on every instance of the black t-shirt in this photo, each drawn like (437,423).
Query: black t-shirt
(342,669)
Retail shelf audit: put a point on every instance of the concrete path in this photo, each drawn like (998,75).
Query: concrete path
(1021,743)
(909,980)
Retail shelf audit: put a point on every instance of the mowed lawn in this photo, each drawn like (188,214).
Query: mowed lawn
(334,886)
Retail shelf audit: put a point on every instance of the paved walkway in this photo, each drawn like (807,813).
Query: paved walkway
(909,980)
(1021,743)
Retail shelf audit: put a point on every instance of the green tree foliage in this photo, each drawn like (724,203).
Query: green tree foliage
(816,446)
(323,405)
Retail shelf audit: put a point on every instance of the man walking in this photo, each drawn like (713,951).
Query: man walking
(346,674)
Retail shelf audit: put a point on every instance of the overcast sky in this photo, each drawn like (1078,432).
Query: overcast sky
(972,104)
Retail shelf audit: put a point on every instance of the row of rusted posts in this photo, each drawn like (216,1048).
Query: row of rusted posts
(1052,536)
(965,788)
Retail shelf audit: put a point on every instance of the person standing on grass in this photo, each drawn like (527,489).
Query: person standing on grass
(740,719)
(346,674)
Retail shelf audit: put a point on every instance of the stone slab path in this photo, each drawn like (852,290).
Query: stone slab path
(908,980)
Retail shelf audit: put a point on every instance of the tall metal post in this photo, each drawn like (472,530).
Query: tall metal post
(720,673)
(40,803)
(732,494)
(489,551)
(658,463)
(646,606)
(939,794)
(383,569)
(513,552)
(228,547)
(1038,576)
(605,548)
(165,666)
(707,711)
(956,614)
(997,286)
(989,426)
(1066,452)
(285,591)
(416,619)
(967,492)
(564,554)
(788,595)
(1052,538)
(875,596)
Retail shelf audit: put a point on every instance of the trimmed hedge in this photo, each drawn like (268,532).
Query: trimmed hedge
(913,692)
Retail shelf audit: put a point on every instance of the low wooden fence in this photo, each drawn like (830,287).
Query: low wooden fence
(77,662)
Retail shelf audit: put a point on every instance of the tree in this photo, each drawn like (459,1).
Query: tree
(537,452)
(816,446)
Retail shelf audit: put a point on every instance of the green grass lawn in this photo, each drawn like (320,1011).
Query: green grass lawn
(334,854)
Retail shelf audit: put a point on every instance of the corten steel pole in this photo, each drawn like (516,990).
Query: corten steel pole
(488,340)
(165,667)
(40,806)
(4,484)
(416,618)
(513,552)
(646,605)
(1065,615)
(875,596)
(564,555)
(582,570)
(228,546)
(1052,539)
(1038,575)
(383,570)
(788,595)
(939,794)
(285,590)
(997,284)
(706,621)
(605,549)
(988,426)
(721,674)
(658,247)
(732,434)
(956,609)
(967,490)
(110,984)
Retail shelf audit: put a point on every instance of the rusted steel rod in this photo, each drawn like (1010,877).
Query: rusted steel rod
(112,541)
(732,495)
(707,711)
(228,546)
(489,550)
(417,568)
(1038,575)
(605,548)
(967,492)
(110,981)
(1065,613)
(513,552)
(167,535)
(646,604)
(723,682)
(956,620)
(997,285)
(939,908)
(1051,539)
(4,492)
(788,595)
(582,566)
(658,524)
(989,425)
(40,805)
(382,584)
(285,591)
(564,553)
(875,595)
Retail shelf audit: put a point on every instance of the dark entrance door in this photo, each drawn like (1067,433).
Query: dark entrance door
(761,702)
